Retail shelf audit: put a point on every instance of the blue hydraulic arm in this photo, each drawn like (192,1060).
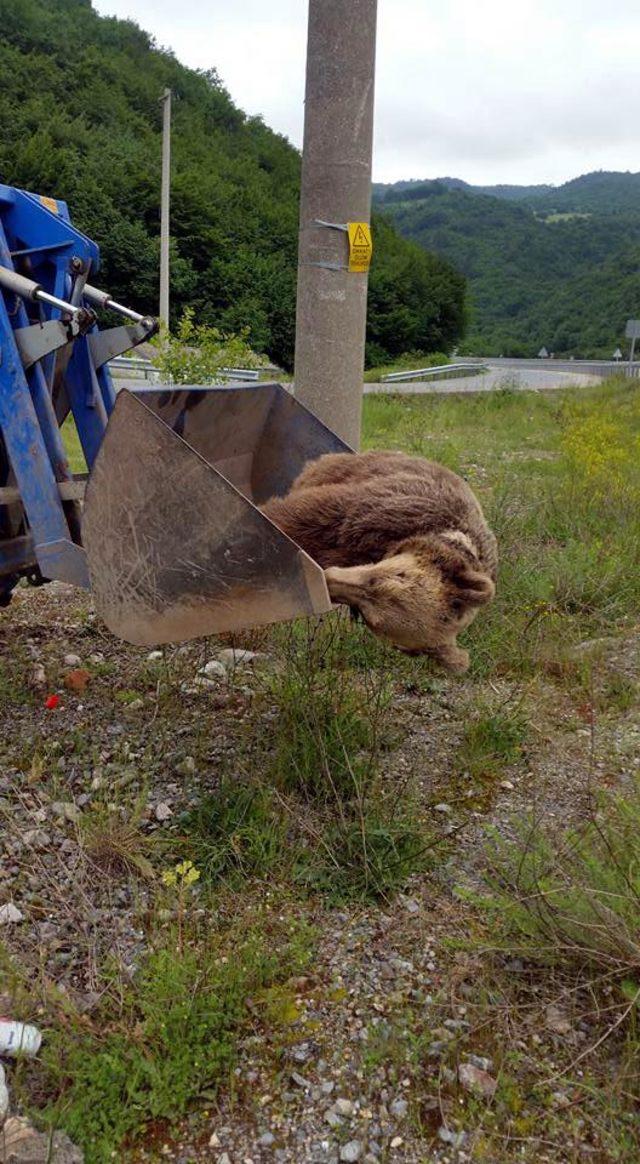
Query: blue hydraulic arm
(53,361)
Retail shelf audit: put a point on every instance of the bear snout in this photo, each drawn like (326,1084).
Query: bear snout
(345,583)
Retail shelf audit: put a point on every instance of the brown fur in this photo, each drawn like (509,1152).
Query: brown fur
(402,540)
(336,467)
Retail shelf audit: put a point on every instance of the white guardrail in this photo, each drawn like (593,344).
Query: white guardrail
(442,370)
(148,371)
(134,364)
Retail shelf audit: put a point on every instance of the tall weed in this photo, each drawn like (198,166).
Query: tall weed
(573,899)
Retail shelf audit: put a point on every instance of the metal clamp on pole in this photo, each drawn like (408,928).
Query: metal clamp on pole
(332,225)
(342,226)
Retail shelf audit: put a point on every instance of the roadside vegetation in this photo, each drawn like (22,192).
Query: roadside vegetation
(256,883)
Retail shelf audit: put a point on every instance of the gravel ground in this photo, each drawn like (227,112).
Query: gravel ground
(338,1091)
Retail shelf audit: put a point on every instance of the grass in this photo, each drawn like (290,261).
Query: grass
(114,841)
(320,813)
(73,446)
(14,688)
(560,906)
(618,692)
(490,742)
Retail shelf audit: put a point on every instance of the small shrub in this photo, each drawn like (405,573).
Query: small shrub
(312,804)
(321,739)
(618,692)
(502,396)
(327,724)
(330,730)
(197,353)
(370,857)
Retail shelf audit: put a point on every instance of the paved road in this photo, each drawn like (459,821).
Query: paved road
(601,368)
(521,379)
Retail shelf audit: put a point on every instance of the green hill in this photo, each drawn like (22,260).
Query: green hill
(557,267)
(601,192)
(393,190)
(80,119)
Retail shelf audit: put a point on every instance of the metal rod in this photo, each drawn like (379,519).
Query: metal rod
(53,301)
(27,289)
(128,312)
(103,299)
(164,207)
(336,189)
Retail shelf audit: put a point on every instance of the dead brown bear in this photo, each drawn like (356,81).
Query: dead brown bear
(402,540)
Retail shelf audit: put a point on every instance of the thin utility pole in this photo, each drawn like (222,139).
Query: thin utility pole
(336,191)
(164,207)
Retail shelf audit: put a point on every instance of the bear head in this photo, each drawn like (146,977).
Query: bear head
(420,596)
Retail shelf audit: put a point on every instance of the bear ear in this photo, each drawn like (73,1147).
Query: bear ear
(468,585)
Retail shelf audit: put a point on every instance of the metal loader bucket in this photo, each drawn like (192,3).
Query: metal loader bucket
(175,545)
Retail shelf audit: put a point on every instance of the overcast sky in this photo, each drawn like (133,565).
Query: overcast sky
(487,90)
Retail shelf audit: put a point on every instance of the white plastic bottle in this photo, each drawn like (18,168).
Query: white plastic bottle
(19,1040)
(4,1097)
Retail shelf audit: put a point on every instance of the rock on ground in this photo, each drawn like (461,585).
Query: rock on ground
(20,1143)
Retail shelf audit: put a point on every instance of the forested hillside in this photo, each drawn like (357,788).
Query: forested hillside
(394,191)
(601,192)
(548,266)
(80,119)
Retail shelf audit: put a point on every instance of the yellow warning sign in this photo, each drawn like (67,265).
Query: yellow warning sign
(360,246)
(50,203)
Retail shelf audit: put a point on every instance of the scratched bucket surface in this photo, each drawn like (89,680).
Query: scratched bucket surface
(175,545)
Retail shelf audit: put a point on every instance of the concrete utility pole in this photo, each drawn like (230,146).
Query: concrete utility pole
(336,189)
(164,207)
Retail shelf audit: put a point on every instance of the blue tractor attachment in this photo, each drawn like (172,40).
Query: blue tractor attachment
(165,525)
